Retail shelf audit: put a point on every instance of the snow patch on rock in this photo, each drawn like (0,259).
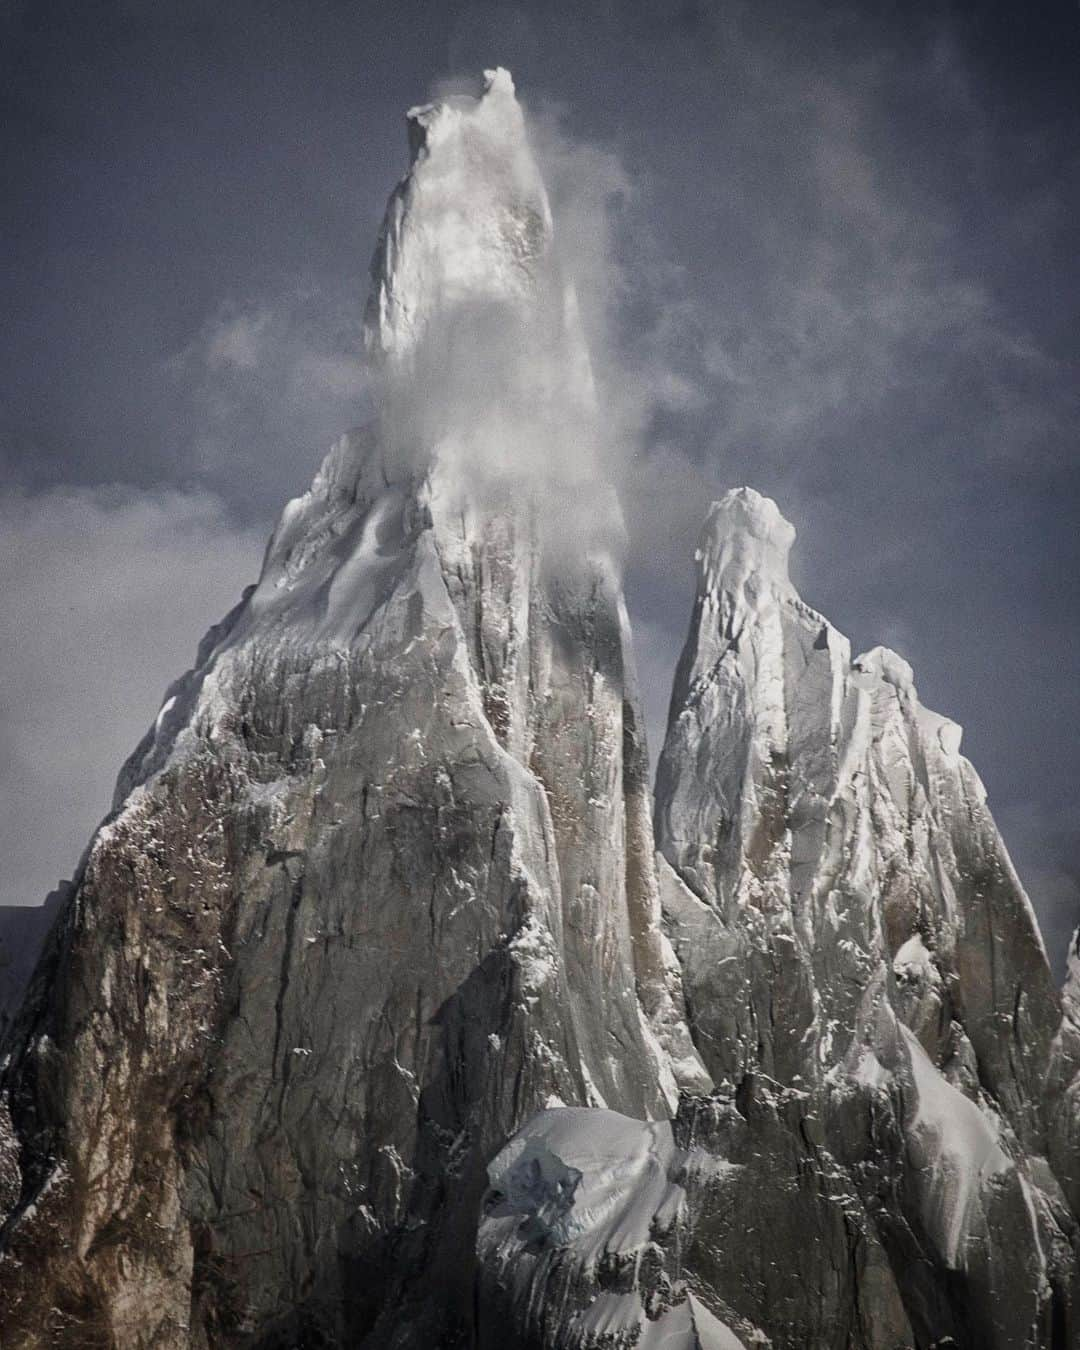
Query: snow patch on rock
(591,1179)
(597,1189)
(959,1146)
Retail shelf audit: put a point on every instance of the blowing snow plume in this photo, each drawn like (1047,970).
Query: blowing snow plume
(482,368)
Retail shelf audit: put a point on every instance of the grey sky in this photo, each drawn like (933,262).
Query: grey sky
(829,250)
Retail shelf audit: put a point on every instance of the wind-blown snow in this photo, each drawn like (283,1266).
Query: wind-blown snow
(470,224)
(481,360)
(958,1145)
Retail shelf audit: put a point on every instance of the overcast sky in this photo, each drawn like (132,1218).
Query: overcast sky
(828,250)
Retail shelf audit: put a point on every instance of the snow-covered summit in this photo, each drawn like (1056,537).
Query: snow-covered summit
(745,536)
(850,926)
(378,918)
(468,225)
(386,852)
(883,663)
(473,330)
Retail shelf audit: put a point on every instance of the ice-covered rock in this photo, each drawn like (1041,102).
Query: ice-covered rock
(861,961)
(1063,1083)
(380,880)
(573,1239)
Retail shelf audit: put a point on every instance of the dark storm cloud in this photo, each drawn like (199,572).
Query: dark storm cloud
(826,249)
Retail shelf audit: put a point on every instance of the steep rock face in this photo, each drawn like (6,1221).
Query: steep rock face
(379,884)
(864,979)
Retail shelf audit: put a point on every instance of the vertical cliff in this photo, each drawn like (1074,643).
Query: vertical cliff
(379,883)
(864,974)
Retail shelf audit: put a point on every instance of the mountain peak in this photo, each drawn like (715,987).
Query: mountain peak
(885,664)
(745,536)
(473,329)
(469,224)
(366,1017)
(497,99)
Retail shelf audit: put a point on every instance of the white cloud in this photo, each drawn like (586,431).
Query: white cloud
(265,386)
(237,340)
(106,594)
(637,312)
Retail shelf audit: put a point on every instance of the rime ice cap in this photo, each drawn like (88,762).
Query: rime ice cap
(745,536)
(884,664)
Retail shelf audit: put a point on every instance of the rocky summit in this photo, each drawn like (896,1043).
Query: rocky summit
(388,1009)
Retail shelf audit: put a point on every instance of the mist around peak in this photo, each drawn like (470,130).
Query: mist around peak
(491,326)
